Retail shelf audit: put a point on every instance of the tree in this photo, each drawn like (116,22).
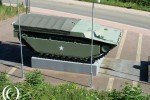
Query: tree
(0,2)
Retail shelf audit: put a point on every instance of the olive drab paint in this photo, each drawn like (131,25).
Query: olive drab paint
(66,38)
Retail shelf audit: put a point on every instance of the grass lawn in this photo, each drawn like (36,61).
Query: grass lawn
(7,11)
(129,5)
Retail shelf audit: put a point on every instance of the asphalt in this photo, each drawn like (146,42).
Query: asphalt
(129,17)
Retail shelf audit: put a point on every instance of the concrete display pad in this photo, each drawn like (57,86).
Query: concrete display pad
(122,68)
(66,66)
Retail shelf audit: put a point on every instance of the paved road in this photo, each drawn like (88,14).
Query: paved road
(111,15)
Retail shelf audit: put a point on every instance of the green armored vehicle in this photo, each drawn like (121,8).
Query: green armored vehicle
(65,38)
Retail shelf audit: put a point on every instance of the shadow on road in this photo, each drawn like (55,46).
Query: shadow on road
(10,51)
(143,70)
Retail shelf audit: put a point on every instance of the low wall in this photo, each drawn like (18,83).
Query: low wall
(66,66)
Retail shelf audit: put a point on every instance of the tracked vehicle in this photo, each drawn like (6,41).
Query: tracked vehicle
(65,38)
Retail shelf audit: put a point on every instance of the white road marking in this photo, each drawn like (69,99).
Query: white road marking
(11,71)
(138,55)
(121,45)
(110,84)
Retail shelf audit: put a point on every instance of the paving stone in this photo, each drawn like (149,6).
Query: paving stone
(129,50)
(100,82)
(4,68)
(121,68)
(145,87)
(112,53)
(119,83)
(145,48)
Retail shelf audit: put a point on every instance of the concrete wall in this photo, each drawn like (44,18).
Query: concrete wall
(66,66)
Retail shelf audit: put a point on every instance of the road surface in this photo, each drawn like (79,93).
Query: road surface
(111,15)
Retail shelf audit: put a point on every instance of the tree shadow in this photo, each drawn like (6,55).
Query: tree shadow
(10,51)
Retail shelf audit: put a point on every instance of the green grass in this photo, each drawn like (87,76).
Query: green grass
(9,11)
(34,88)
(129,5)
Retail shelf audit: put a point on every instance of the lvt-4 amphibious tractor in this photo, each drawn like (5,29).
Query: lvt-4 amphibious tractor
(64,38)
